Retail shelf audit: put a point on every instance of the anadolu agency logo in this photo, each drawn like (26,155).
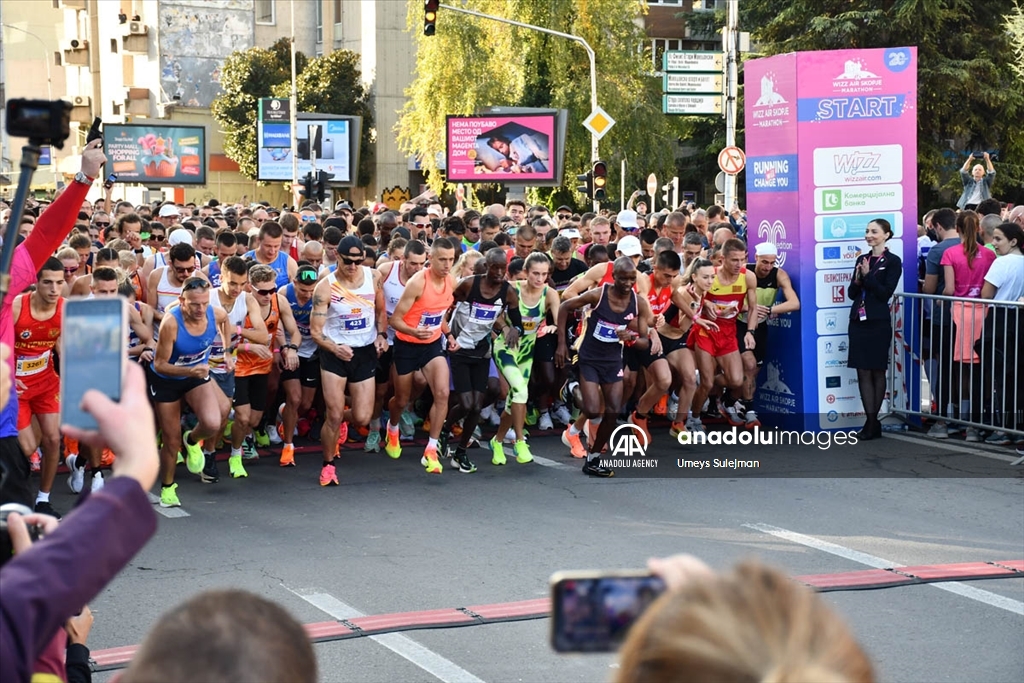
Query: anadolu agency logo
(629,444)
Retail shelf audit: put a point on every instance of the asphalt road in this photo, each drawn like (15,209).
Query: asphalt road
(392,538)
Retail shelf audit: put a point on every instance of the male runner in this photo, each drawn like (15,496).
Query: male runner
(165,282)
(180,369)
(349,324)
(269,253)
(481,301)
(300,384)
(225,248)
(770,280)
(617,315)
(37,323)
(419,323)
(395,276)
(733,287)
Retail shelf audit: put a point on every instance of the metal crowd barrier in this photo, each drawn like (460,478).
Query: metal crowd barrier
(959,361)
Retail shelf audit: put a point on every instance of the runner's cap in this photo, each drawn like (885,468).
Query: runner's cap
(766,249)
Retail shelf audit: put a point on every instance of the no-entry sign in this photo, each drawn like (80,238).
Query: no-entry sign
(731,160)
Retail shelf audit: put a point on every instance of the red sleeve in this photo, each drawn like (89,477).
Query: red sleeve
(54,224)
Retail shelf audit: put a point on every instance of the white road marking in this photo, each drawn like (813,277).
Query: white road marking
(955,587)
(955,448)
(170,513)
(546,462)
(426,659)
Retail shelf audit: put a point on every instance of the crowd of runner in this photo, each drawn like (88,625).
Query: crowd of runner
(256,325)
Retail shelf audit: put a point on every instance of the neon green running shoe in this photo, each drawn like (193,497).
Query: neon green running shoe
(262,438)
(497,452)
(392,445)
(532,416)
(194,458)
(236,468)
(169,496)
(523,454)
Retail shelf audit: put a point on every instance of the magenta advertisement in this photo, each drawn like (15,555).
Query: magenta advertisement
(837,130)
(502,149)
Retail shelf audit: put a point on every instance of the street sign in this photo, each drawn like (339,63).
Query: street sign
(732,160)
(599,122)
(697,83)
(652,184)
(720,181)
(692,104)
(689,61)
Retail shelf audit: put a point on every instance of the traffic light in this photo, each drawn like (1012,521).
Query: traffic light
(600,181)
(307,186)
(587,184)
(430,16)
(321,186)
(666,195)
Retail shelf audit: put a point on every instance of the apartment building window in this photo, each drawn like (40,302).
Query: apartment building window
(656,48)
(676,3)
(265,12)
(319,21)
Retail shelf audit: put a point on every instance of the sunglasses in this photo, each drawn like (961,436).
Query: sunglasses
(308,219)
(71,271)
(307,276)
(352,260)
(184,271)
(157,236)
(101,225)
(265,292)
(194,283)
(564,216)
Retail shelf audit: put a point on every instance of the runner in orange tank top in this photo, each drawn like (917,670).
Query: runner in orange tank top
(36,332)
(419,322)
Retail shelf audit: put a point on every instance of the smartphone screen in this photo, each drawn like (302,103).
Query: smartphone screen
(593,612)
(111,179)
(93,353)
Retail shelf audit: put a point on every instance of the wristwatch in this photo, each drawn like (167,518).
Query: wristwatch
(83,179)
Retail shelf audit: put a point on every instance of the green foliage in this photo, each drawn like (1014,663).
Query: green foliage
(330,84)
(472,64)
(1015,27)
(969,95)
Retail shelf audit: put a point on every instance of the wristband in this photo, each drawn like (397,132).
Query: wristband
(245,346)
(383,334)
(139,251)
(277,350)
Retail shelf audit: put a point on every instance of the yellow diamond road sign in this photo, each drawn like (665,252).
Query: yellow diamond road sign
(599,122)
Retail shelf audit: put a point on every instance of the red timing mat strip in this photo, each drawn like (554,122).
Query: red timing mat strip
(867,579)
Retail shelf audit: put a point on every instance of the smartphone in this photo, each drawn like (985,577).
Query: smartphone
(93,354)
(109,182)
(593,611)
(96,131)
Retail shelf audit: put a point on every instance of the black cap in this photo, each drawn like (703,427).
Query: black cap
(336,222)
(349,245)
(401,232)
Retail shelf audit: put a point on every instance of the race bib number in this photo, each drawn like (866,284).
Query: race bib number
(605,332)
(484,312)
(33,365)
(530,324)
(726,309)
(431,320)
(190,359)
(303,329)
(359,323)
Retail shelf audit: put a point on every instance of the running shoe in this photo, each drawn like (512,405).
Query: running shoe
(677,429)
(97,482)
(732,414)
(443,443)
(497,452)
(392,446)
(343,434)
(672,409)
(998,439)
(938,431)
(249,449)
(460,460)
(76,480)
(532,415)
(640,422)
(328,477)
(593,469)
(169,496)
(274,436)
(210,474)
(972,435)
(194,458)
(227,429)
(523,454)
(179,459)
(751,419)
(562,414)
(287,456)
(43,507)
(486,412)
(262,439)
(372,444)
(34,461)
(544,423)
(574,444)
(693,424)
(430,461)
(236,467)
(510,435)
(407,424)
(661,407)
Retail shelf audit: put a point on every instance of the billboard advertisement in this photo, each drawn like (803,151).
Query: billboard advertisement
(831,145)
(509,149)
(156,154)
(326,141)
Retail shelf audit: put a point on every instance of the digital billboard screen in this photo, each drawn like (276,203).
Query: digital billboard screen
(510,149)
(325,142)
(156,154)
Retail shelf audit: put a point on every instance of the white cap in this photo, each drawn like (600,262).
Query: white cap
(766,249)
(627,219)
(169,210)
(571,233)
(629,246)
(178,236)
(434,211)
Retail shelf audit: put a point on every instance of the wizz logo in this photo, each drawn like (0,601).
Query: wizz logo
(858,162)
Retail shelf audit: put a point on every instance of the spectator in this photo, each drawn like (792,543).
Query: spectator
(753,624)
(940,344)
(977,185)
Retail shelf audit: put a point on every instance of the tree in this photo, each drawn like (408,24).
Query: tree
(330,84)
(471,64)
(968,94)
(1015,27)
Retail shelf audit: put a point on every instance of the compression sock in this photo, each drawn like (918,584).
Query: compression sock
(432,443)
(43,497)
(573,431)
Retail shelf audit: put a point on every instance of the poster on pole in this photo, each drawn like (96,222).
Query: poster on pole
(509,149)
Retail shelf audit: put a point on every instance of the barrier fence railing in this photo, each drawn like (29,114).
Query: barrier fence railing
(959,362)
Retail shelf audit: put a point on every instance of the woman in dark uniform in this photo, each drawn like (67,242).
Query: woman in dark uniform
(875,278)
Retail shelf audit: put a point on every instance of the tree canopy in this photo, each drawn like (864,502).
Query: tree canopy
(471,64)
(330,84)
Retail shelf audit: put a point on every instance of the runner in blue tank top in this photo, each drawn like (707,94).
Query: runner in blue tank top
(269,253)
